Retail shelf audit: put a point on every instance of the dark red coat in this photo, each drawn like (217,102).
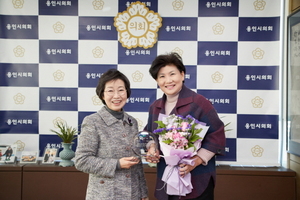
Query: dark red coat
(200,108)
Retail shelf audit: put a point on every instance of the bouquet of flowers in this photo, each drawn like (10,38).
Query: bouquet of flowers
(179,138)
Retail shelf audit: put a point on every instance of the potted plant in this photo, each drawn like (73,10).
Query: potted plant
(67,134)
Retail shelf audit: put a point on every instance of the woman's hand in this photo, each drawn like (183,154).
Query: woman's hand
(152,155)
(127,162)
(185,169)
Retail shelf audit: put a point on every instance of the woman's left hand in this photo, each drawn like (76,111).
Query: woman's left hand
(185,169)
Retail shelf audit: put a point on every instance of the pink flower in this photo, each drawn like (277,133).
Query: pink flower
(184,125)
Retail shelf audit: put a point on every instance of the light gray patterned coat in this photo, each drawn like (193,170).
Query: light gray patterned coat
(102,142)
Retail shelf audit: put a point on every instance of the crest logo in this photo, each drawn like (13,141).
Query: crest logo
(217,77)
(58,75)
(140,124)
(58,120)
(19,98)
(137,26)
(257,151)
(58,27)
(98,4)
(18,4)
(258,54)
(20,145)
(19,51)
(177,5)
(259,4)
(98,52)
(178,50)
(137,76)
(96,100)
(218,29)
(257,102)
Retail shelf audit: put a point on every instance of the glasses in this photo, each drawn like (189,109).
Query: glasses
(111,93)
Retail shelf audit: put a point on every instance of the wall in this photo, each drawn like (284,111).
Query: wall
(293,160)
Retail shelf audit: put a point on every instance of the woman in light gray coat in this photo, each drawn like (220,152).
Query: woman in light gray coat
(105,148)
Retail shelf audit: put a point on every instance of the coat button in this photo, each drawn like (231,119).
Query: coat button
(124,135)
(127,175)
(127,148)
(101,182)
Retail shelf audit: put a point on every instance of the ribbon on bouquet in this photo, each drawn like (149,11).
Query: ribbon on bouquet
(177,185)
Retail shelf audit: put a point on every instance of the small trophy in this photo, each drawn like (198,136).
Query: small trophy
(142,141)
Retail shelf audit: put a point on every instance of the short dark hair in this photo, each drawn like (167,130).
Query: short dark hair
(166,59)
(111,74)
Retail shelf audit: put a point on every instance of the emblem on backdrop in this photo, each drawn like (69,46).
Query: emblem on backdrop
(19,51)
(257,102)
(137,26)
(177,5)
(18,4)
(257,151)
(217,77)
(178,50)
(20,145)
(58,27)
(258,54)
(98,4)
(137,76)
(259,5)
(218,29)
(96,100)
(19,98)
(58,75)
(140,124)
(98,52)
(58,120)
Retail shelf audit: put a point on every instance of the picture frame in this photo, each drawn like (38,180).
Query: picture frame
(49,155)
(293,83)
(8,153)
(29,157)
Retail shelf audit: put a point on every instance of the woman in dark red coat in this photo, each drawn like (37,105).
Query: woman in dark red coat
(169,72)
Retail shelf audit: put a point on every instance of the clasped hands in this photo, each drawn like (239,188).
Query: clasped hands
(153,156)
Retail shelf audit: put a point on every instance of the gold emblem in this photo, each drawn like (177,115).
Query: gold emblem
(137,76)
(258,54)
(137,26)
(257,151)
(217,77)
(18,4)
(20,145)
(19,98)
(58,120)
(140,124)
(257,102)
(96,100)
(98,52)
(259,4)
(58,75)
(178,50)
(19,51)
(98,4)
(218,29)
(177,5)
(58,27)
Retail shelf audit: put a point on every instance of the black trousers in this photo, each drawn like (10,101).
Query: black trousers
(208,193)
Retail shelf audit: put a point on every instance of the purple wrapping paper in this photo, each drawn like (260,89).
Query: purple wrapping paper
(177,185)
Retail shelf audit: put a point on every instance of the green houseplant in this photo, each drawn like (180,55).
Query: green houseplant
(67,134)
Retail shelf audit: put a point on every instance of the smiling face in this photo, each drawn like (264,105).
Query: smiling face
(115,94)
(170,80)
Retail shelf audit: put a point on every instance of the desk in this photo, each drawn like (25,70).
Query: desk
(10,181)
(41,181)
